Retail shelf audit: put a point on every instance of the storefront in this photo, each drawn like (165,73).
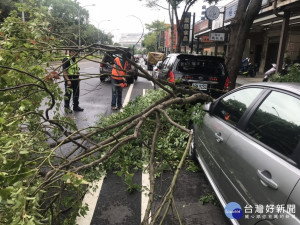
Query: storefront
(274,36)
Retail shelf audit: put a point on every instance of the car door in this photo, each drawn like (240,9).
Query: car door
(260,165)
(293,204)
(218,126)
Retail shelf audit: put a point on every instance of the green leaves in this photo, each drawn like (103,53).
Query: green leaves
(292,76)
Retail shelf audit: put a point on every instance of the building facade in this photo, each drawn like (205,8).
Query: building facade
(274,36)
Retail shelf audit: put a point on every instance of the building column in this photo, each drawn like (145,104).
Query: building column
(283,40)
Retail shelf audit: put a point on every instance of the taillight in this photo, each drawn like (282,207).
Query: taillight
(226,86)
(187,77)
(213,79)
(171,77)
(101,64)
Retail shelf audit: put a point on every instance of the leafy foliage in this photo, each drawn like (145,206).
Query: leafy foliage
(292,76)
(210,198)
(41,184)
(134,155)
(23,88)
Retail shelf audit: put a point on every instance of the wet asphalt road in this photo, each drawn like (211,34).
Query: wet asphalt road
(115,206)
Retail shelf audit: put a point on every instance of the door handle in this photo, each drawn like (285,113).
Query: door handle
(266,179)
(218,137)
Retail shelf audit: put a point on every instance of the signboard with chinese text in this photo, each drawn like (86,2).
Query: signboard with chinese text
(230,12)
(217,36)
(205,39)
(186,29)
(162,39)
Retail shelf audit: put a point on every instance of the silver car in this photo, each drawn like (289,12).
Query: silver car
(248,146)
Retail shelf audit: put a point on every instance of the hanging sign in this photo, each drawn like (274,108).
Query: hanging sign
(186,29)
(217,36)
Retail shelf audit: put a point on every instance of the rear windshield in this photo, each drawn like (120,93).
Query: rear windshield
(201,66)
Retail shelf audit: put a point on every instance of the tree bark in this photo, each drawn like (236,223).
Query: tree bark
(239,30)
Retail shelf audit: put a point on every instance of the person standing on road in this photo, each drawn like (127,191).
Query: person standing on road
(118,80)
(71,76)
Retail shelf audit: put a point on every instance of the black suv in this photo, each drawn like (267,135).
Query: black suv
(106,66)
(207,73)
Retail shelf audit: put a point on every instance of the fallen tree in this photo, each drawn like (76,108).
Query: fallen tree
(40,183)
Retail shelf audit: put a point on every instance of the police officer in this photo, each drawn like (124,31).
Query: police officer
(71,76)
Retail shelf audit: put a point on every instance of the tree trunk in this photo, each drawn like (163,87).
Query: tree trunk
(180,32)
(171,15)
(239,30)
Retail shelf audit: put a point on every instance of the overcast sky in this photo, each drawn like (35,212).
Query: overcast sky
(128,16)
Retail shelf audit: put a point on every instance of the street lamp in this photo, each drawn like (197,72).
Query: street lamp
(78,10)
(142,32)
(99,28)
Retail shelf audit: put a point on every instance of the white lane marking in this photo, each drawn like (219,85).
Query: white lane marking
(145,193)
(127,97)
(146,185)
(91,199)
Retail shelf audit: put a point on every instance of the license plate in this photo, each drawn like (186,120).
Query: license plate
(201,87)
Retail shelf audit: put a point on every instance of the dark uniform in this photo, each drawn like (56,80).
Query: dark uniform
(71,73)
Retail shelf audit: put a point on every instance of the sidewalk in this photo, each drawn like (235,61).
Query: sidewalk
(241,80)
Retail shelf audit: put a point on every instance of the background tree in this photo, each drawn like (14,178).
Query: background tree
(149,42)
(152,38)
(64,22)
(172,6)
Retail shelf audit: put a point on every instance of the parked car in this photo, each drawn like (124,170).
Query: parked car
(156,69)
(207,73)
(249,148)
(106,66)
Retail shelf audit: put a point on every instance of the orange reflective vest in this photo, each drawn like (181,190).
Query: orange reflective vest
(118,73)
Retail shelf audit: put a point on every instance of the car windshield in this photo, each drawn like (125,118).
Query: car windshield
(196,66)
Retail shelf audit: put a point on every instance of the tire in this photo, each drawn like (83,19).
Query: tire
(252,72)
(102,79)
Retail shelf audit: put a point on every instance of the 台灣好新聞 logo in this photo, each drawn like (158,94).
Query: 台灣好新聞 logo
(233,211)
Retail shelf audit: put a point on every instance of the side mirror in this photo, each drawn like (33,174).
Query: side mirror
(207,107)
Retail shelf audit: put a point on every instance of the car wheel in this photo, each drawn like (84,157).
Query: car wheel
(192,153)
(102,79)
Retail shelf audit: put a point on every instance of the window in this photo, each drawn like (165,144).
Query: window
(171,62)
(232,107)
(198,66)
(165,63)
(276,123)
